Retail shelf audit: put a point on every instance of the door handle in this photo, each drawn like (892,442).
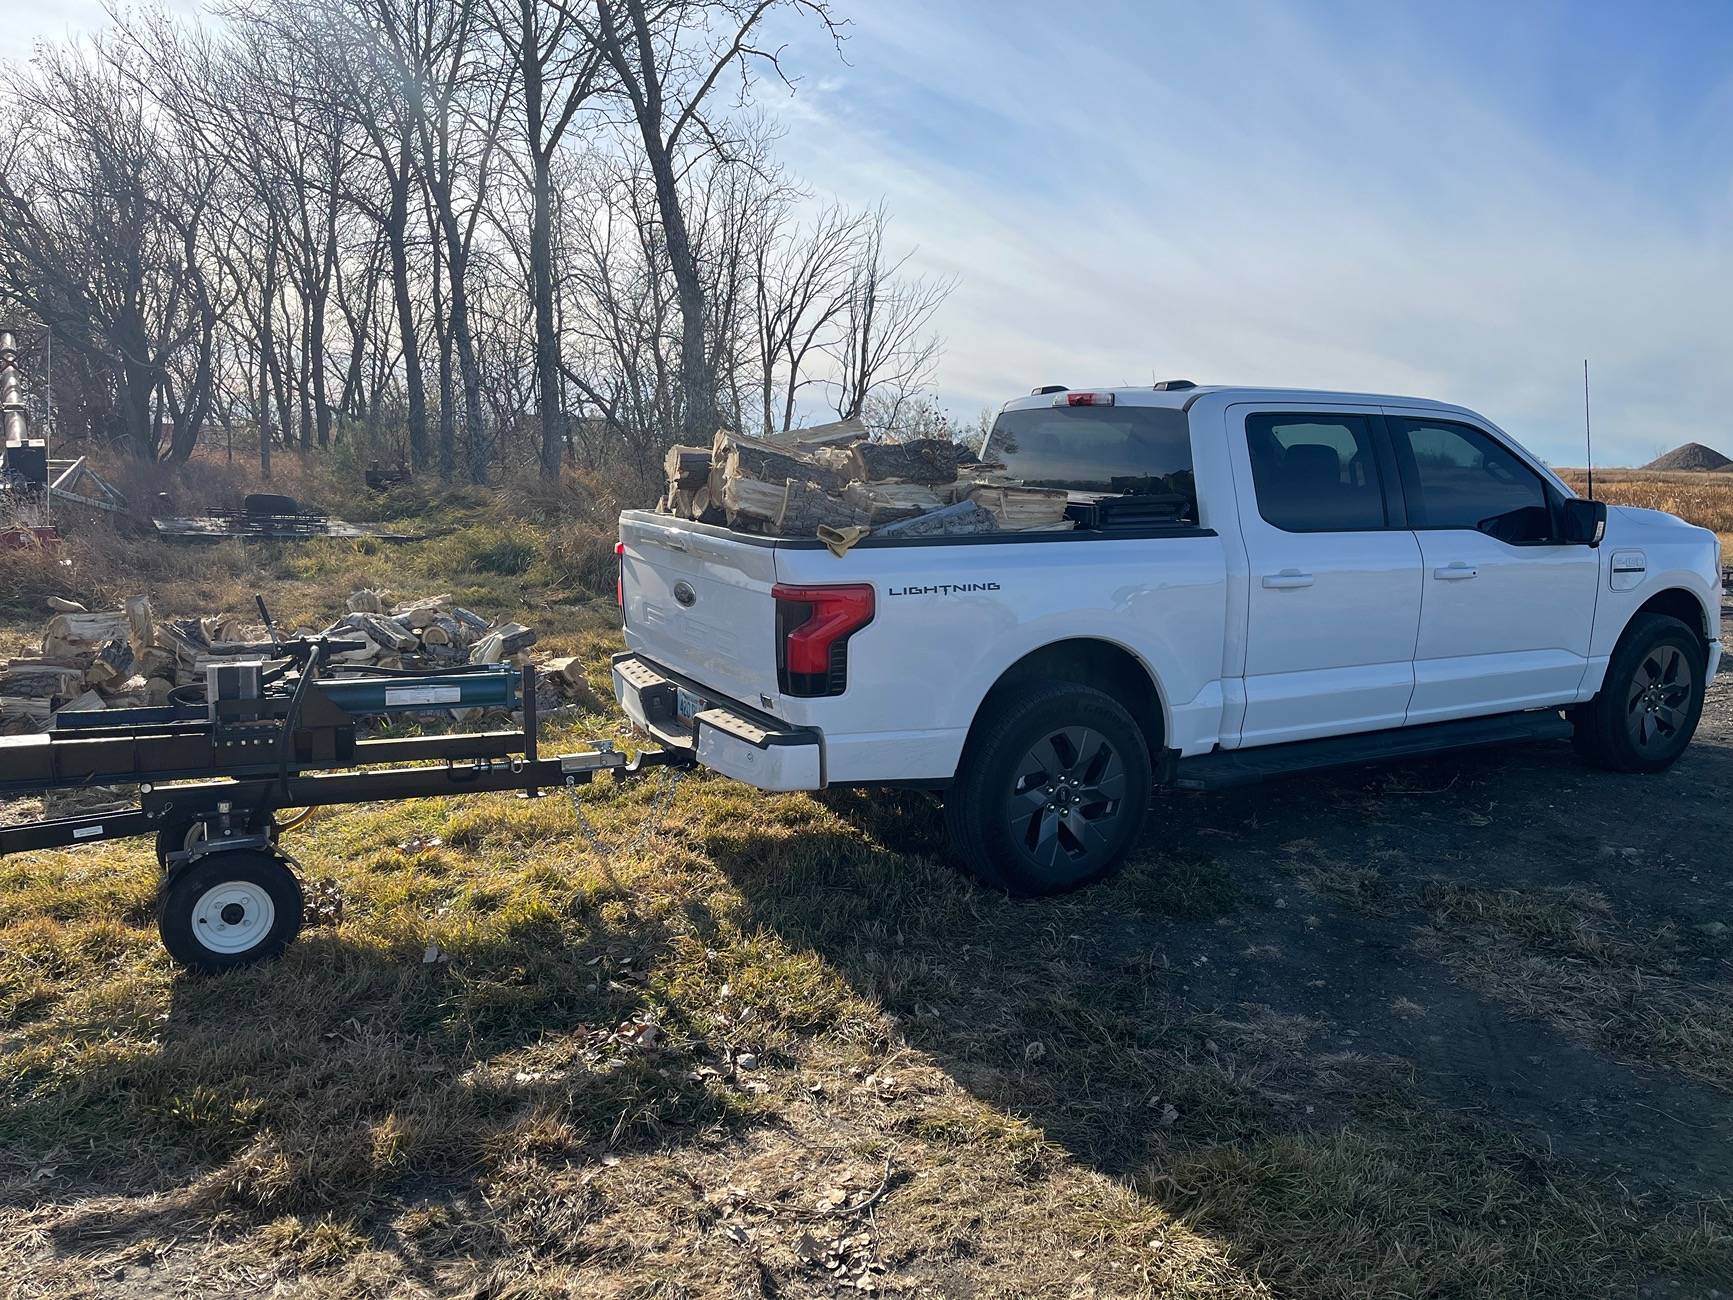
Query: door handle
(1455,572)
(1287,580)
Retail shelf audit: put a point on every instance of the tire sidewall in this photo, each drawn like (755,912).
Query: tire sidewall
(991,768)
(1644,637)
(184,887)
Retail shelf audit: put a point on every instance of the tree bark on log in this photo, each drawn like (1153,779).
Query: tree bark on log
(962,518)
(740,457)
(688,468)
(924,460)
(806,505)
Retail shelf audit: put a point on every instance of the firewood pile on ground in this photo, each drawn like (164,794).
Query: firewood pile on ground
(824,480)
(132,656)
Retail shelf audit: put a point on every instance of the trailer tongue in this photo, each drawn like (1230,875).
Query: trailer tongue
(272,734)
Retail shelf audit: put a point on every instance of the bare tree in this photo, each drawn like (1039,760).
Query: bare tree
(559,73)
(886,350)
(669,59)
(97,216)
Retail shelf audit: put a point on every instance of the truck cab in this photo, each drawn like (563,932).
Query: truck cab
(1257,580)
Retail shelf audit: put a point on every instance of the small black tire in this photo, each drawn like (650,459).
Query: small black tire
(229,909)
(1650,700)
(1051,792)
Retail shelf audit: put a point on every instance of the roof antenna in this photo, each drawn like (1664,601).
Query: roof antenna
(1588,441)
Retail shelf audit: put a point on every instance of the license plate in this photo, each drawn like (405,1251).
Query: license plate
(686,705)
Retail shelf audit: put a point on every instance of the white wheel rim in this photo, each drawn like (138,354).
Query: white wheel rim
(233,916)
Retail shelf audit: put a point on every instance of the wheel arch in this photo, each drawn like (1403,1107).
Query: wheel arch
(1679,603)
(1089,661)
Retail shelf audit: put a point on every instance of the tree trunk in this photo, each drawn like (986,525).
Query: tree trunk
(396,231)
(541,250)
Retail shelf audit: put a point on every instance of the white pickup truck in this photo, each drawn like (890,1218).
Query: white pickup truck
(1260,581)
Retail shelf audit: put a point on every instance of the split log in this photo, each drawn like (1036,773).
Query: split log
(90,629)
(922,460)
(61,605)
(881,503)
(951,521)
(156,690)
(1022,508)
(568,670)
(40,681)
(805,506)
(435,634)
(141,623)
(848,430)
(154,661)
(688,468)
(113,664)
(748,458)
(382,631)
(749,499)
(85,703)
(25,708)
(502,643)
(473,621)
(365,601)
(183,637)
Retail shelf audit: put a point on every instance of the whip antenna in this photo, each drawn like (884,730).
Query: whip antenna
(1588,440)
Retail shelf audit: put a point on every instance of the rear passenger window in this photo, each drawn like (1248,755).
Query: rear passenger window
(1455,476)
(1316,473)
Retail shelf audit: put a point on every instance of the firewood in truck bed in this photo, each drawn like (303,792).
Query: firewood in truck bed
(687,468)
(738,457)
(922,460)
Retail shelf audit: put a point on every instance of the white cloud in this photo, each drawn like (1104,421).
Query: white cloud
(1246,201)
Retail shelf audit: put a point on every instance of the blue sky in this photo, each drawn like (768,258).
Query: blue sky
(1454,200)
(1457,200)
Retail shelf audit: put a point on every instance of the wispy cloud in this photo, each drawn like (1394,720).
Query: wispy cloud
(1271,194)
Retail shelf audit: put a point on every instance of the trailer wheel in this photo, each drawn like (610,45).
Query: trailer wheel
(1051,792)
(231,908)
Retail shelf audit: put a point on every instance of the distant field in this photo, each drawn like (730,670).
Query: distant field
(1704,497)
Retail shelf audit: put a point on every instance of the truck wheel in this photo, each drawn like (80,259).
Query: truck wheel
(231,908)
(1051,792)
(1648,706)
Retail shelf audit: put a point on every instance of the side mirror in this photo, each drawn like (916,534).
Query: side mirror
(1584,523)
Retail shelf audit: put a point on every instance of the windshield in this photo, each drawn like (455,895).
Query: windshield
(1099,451)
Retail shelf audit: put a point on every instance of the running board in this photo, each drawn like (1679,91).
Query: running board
(1230,767)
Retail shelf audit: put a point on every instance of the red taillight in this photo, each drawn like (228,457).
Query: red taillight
(620,574)
(813,625)
(1083,399)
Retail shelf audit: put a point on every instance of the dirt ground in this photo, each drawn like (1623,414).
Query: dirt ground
(1450,1028)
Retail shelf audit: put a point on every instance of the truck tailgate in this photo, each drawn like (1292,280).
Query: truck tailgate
(700,604)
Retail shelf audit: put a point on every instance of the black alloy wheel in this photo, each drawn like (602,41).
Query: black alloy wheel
(1065,801)
(1650,700)
(1052,789)
(1658,705)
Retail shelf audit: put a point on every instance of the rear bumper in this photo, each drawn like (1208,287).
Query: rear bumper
(724,736)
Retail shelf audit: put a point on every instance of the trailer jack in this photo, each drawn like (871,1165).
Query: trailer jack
(274,734)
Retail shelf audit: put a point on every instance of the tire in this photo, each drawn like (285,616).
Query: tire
(1649,704)
(1051,792)
(229,909)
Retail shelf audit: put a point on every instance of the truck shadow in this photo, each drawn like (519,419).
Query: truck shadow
(1277,960)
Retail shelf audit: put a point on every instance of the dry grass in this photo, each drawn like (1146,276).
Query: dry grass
(671,1064)
(1703,497)
(1561,953)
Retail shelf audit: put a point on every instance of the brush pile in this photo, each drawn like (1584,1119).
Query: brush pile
(833,476)
(128,657)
